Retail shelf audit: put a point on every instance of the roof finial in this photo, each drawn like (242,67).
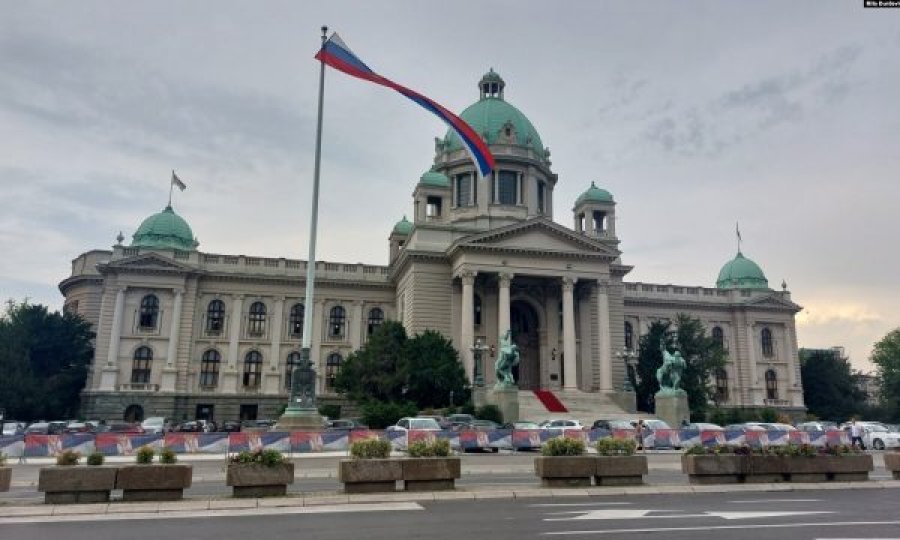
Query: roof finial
(737,231)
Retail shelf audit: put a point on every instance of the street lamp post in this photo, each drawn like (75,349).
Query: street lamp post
(628,357)
(478,363)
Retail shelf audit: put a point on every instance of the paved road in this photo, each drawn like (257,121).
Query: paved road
(740,516)
(315,474)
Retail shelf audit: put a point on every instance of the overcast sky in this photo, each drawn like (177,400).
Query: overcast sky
(781,115)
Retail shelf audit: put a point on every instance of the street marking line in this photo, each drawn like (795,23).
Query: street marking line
(752,501)
(623,514)
(726,527)
(550,505)
(273,511)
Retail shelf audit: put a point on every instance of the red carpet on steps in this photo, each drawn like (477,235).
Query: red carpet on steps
(550,401)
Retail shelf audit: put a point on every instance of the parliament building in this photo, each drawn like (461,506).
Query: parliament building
(189,334)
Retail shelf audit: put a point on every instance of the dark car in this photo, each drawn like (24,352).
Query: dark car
(191,426)
(230,426)
(345,424)
(57,427)
(125,427)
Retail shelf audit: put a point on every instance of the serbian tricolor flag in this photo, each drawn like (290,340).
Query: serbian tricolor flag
(336,54)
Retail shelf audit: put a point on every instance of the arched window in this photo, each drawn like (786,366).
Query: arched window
(293,361)
(476,307)
(149,312)
(332,367)
(629,336)
(766,339)
(771,384)
(257,320)
(215,317)
(336,320)
(718,336)
(252,369)
(296,320)
(140,366)
(721,386)
(376,317)
(209,368)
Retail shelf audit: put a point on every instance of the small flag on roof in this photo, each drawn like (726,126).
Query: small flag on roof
(336,54)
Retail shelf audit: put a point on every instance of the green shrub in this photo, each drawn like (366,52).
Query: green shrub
(563,446)
(144,455)
(267,458)
(768,415)
(95,458)
(489,412)
(330,411)
(379,415)
(167,456)
(371,449)
(616,447)
(68,458)
(436,448)
(467,408)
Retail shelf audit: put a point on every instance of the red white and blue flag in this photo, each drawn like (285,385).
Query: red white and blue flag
(336,54)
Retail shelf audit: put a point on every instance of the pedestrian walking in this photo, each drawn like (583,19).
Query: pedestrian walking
(856,432)
(639,434)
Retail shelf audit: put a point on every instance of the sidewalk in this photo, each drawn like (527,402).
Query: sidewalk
(213,506)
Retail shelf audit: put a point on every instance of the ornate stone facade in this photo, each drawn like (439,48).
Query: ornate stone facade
(185,334)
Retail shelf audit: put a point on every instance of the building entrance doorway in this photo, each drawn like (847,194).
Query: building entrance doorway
(523,320)
(133,413)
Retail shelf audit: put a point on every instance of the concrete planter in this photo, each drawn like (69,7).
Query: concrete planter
(370,475)
(5,478)
(430,474)
(731,469)
(892,463)
(620,470)
(156,482)
(254,480)
(74,484)
(565,471)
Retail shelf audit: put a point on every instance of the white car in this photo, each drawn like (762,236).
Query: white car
(156,425)
(562,423)
(417,424)
(880,437)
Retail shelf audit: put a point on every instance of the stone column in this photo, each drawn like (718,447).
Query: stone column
(569,364)
(230,377)
(109,375)
(169,374)
(356,326)
(605,338)
(753,377)
(271,376)
(503,304)
(467,321)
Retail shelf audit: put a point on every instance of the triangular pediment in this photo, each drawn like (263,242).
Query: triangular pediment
(149,261)
(538,235)
(774,300)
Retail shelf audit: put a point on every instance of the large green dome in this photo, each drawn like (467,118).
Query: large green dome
(165,230)
(435,179)
(491,113)
(741,273)
(404,227)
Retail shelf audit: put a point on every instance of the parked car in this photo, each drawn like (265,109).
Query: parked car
(773,426)
(57,427)
(880,437)
(611,424)
(460,421)
(744,427)
(12,428)
(79,427)
(191,426)
(704,426)
(157,424)
(485,425)
(420,424)
(124,427)
(817,426)
(230,426)
(345,424)
(522,425)
(443,422)
(562,423)
(38,428)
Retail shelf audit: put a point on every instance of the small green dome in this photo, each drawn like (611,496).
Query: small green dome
(491,113)
(165,230)
(741,273)
(435,179)
(595,195)
(404,227)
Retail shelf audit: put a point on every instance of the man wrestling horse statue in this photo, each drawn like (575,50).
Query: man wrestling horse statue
(506,361)
(669,373)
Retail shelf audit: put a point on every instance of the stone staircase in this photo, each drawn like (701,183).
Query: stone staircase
(583,406)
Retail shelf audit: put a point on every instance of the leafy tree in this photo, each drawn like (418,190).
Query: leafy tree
(43,359)
(702,355)
(886,355)
(393,368)
(829,385)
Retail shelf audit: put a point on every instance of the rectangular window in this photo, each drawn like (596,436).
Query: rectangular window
(508,187)
(433,207)
(540,197)
(463,189)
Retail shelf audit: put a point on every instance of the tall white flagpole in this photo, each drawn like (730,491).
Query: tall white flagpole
(309,310)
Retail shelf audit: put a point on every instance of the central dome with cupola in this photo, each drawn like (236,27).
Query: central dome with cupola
(495,119)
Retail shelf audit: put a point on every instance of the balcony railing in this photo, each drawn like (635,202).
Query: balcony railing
(138,387)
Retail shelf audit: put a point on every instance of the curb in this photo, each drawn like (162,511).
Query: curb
(335,498)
